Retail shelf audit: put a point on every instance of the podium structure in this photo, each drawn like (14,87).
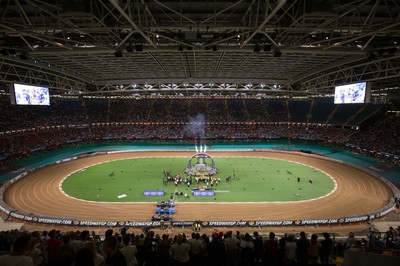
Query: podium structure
(201,164)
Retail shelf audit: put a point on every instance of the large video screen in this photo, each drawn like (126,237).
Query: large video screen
(351,93)
(29,95)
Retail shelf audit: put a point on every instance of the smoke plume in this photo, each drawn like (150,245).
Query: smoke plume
(196,127)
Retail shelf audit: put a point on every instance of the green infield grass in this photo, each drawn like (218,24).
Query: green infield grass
(256,180)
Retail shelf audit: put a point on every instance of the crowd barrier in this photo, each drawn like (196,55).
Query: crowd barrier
(29,217)
(242,223)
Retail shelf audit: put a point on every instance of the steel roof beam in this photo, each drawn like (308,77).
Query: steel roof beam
(123,13)
(267,19)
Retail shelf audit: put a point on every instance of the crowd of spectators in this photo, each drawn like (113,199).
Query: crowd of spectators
(26,130)
(150,249)
(86,111)
(380,140)
(25,144)
(77,111)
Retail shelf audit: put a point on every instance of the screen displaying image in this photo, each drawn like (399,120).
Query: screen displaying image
(351,93)
(31,95)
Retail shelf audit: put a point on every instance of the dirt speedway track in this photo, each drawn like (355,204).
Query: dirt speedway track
(357,192)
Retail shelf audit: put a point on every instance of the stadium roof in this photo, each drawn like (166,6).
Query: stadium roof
(246,47)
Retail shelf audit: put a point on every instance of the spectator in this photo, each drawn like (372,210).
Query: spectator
(52,246)
(258,247)
(302,249)
(114,256)
(150,255)
(163,248)
(216,251)
(246,250)
(180,251)
(313,250)
(98,259)
(129,251)
(232,247)
(350,241)
(326,248)
(196,250)
(108,233)
(290,250)
(84,257)
(36,250)
(65,252)
(271,248)
(17,256)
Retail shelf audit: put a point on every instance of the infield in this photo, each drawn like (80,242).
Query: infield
(252,179)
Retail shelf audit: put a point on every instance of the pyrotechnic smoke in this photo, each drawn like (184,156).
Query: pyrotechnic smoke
(196,127)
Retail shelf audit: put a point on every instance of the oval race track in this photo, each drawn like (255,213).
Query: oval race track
(357,192)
